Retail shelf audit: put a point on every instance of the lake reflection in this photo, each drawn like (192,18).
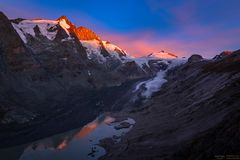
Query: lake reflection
(73,145)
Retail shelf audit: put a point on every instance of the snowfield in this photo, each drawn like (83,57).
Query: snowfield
(27,27)
(153,85)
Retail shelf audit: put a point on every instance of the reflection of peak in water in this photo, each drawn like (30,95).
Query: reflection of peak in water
(53,142)
(61,141)
(90,127)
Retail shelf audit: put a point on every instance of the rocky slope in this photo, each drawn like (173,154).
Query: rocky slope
(195,115)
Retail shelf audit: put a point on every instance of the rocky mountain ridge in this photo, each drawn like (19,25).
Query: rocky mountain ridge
(35,34)
(49,72)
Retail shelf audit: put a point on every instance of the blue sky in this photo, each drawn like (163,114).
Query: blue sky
(188,27)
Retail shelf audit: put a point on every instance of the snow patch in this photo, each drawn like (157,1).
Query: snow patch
(44,21)
(64,25)
(93,50)
(89,73)
(67,39)
(26,27)
(20,32)
(143,60)
(153,85)
(163,55)
(111,48)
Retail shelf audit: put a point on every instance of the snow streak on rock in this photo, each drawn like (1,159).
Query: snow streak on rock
(153,85)
(26,27)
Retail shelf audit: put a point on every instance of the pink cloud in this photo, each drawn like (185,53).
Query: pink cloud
(142,43)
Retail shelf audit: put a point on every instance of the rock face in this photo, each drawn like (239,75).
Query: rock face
(81,32)
(223,55)
(195,115)
(122,125)
(86,34)
(12,48)
(195,58)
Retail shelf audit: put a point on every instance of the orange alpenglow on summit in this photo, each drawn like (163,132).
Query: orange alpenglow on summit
(81,32)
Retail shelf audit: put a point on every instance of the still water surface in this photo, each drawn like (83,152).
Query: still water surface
(78,144)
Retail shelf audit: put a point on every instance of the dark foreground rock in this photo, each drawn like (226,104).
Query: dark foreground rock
(195,58)
(122,125)
(194,116)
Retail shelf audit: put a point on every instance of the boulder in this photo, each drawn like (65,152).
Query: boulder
(195,58)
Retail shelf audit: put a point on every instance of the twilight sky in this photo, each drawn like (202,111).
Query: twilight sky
(204,27)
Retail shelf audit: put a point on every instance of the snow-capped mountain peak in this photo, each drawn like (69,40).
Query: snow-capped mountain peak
(163,55)
(66,24)
(97,50)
